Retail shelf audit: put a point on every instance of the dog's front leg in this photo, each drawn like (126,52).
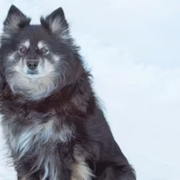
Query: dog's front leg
(23,173)
(80,169)
(27,178)
(118,173)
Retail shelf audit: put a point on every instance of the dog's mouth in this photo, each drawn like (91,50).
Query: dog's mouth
(34,75)
(34,72)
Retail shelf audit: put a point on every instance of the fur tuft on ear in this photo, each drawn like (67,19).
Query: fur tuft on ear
(56,23)
(15,20)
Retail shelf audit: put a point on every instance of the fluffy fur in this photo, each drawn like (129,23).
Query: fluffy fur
(53,124)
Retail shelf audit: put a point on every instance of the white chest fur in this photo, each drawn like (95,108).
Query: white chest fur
(41,134)
(35,139)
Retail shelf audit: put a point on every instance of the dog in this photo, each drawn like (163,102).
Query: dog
(52,121)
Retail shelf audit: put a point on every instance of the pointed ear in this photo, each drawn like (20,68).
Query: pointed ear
(56,23)
(15,20)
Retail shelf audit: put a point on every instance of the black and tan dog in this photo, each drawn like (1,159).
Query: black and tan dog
(52,121)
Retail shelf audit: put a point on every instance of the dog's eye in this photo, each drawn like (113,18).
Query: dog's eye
(44,50)
(23,50)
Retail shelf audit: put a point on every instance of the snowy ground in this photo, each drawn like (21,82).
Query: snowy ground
(133,50)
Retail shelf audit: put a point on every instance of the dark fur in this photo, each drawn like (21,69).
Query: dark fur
(73,103)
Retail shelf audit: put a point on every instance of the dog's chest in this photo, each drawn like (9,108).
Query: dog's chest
(38,141)
(22,137)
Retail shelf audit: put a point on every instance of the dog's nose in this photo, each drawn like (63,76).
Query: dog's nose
(32,64)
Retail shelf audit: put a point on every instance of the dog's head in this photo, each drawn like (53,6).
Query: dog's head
(36,60)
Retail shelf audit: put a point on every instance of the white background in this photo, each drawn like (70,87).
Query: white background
(133,50)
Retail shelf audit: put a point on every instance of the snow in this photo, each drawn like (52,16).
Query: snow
(132,48)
